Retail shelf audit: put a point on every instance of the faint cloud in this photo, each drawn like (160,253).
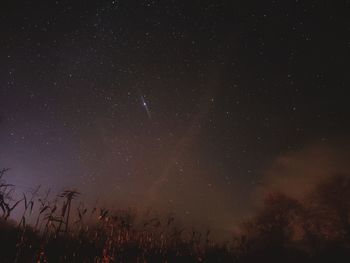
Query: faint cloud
(296,173)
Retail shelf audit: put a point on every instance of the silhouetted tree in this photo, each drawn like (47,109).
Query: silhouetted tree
(331,205)
(271,232)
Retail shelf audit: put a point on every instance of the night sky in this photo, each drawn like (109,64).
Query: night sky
(195,107)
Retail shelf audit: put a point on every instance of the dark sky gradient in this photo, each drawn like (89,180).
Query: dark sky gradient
(230,87)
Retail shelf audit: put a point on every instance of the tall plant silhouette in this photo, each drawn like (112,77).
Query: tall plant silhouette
(68,196)
(5,196)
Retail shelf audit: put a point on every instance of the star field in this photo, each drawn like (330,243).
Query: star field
(180,105)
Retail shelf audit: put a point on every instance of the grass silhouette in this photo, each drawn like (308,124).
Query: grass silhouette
(315,229)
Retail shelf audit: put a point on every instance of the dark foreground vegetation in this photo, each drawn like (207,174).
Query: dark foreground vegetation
(314,229)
